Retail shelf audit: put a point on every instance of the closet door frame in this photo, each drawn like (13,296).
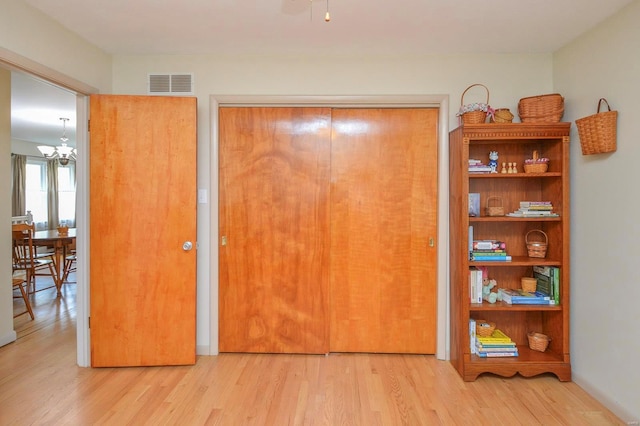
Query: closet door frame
(441,102)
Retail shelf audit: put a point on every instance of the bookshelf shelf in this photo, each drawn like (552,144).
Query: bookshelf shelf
(514,142)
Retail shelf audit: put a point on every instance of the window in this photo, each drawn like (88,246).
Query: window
(36,192)
(67,194)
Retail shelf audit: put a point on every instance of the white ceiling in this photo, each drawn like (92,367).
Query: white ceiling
(363,27)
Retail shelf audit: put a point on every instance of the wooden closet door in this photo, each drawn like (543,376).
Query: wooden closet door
(383,215)
(274,228)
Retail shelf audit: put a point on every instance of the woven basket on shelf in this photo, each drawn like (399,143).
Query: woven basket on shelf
(473,117)
(528,284)
(538,341)
(495,210)
(485,328)
(536,165)
(541,108)
(598,131)
(502,115)
(537,248)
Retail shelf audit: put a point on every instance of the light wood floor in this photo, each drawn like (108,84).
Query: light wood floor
(40,384)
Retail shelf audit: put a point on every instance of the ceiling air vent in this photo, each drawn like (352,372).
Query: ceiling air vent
(171,84)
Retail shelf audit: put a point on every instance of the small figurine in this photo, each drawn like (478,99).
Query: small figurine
(493,161)
(504,168)
(510,169)
(515,167)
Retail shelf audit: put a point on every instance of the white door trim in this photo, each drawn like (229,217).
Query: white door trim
(391,101)
(16,62)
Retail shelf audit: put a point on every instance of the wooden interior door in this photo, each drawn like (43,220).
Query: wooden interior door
(384,173)
(142,173)
(274,228)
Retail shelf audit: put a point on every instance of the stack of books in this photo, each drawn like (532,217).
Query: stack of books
(548,281)
(521,297)
(496,345)
(477,166)
(534,209)
(489,251)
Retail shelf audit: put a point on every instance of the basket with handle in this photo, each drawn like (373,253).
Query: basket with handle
(598,131)
(536,164)
(475,113)
(536,248)
(538,341)
(541,108)
(494,206)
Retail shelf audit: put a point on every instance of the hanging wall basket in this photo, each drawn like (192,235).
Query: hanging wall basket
(598,131)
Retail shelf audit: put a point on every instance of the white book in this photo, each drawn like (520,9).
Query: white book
(472,336)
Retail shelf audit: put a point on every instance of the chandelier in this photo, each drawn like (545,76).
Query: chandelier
(63,152)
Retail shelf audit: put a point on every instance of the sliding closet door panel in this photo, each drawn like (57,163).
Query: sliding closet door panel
(274,229)
(383,229)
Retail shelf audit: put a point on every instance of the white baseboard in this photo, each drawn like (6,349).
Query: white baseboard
(204,350)
(605,400)
(8,338)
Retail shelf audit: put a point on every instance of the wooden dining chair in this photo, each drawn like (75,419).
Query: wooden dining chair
(25,258)
(18,282)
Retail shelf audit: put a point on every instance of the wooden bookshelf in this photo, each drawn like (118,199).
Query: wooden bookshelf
(514,142)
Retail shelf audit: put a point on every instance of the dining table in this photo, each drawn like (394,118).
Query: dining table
(60,243)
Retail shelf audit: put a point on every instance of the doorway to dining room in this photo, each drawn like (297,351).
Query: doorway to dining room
(52,311)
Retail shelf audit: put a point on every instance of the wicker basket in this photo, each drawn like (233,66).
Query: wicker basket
(598,132)
(537,248)
(473,117)
(496,210)
(538,341)
(536,164)
(502,115)
(528,284)
(541,108)
(485,328)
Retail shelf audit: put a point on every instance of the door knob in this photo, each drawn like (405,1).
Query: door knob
(187,246)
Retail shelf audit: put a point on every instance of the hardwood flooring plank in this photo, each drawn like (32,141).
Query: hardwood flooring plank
(41,384)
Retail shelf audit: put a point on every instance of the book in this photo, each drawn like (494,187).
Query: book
(475,285)
(543,277)
(497,354)
(503,345)
(474,204)
(555,272)
(503,348)
(526,204)
(489,245)
(496,252)
(521,297)
(479,168)
(472,335)
(532,214)
(501,258)
(497,336)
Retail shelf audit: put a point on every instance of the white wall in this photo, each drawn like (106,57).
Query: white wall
(508,77)
(26,32)
(605,340)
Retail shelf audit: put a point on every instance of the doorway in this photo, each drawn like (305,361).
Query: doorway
(14,62)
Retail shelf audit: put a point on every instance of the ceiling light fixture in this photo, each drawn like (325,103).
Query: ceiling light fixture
(327,17)
(64,153)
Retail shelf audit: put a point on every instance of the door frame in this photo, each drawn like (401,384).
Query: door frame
(15,62)
(387,101)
